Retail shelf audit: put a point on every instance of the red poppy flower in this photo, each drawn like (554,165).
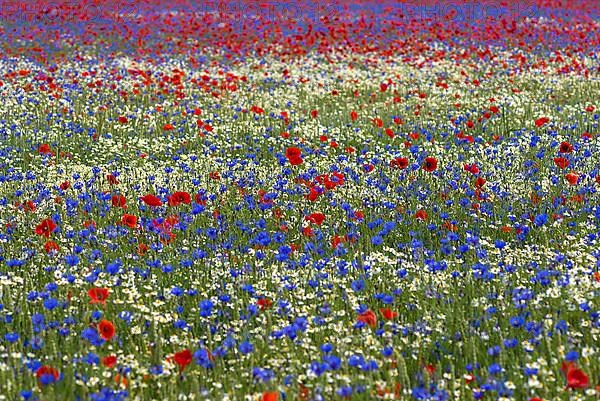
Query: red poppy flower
(264,303)
(270,396)
(421,215)
(65,185)
(471,168)
(399,162)
(565,147)
(112,180)
(313,194)
(565,366)
(335,241)
(47,370)
(541,121)
(430,164)
(430,369)
(44,149)
(122,119)
(303,392)
(129,220)
(368,318)
(169,222)
(561,162)
(480,182)
(316,218)
(51,246)
(388,314)
(118,201)
(183,358)
(573,178)
(353,115)
(314,113)
(178,198)
(106,329)
(308,232)
(121,380)
(536,399)
(257,110)
(142,249)
(151,200)
(378,122)
(293,152)
(109,361)
(576,378)
(294,155)
(28,206)
(45,228)
(98,295)
(168,127)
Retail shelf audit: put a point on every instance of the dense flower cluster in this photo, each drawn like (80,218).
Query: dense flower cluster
(301,201)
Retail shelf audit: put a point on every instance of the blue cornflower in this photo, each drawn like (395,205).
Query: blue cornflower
(494,351)
(344,391)
(419,393)
(358,285)
(377,240)
(540,219)
(177,291)
(206,307)
(71,260)
(50,303)
(11,337)
(494,369)
(92,359)
(517,321)
(333,362)
(246,347)
(326,348)
(572,356)
(37,319)
(356,360)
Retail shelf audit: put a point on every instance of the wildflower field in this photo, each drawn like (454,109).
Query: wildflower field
(268,201)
